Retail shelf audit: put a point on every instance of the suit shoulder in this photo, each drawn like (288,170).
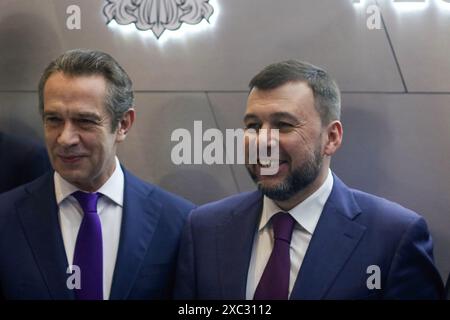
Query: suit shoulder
(224,207)
(383,210)
(10,200)
(18,194)
(166,198)
(172,199)
(36,185)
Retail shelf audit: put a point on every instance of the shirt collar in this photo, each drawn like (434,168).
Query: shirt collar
(306,213)
(113,188)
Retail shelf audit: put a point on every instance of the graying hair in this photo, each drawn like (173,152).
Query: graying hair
(327,98)
(80,62)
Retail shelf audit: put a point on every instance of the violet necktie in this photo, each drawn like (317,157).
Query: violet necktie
(274,283)
(88,255)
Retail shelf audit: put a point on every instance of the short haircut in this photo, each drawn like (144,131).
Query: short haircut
(327,98)
(83,62)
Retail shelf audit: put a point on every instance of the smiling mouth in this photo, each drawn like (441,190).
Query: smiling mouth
(270,163)
(70,159)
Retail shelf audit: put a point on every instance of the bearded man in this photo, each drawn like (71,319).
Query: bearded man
(304,234)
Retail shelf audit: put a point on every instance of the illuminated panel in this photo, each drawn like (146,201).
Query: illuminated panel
(133,22)
(409,5)
(359,3)
(444,5)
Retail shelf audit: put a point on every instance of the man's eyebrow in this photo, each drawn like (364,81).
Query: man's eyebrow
(276,116)
(284,115)
(250,116)
(88,115)
(50,113)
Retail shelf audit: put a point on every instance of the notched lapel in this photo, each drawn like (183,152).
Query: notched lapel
(39,217)
(335,238)
(234,246)
(140,217)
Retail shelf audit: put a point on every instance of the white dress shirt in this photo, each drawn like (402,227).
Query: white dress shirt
(306,215)
(109,209)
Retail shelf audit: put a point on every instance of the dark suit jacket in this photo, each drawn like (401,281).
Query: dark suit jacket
(21,161)
(33,262)
(356,230)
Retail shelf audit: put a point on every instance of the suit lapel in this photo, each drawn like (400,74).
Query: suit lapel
(141,213)
(235,243)
(333,241)
(39,217)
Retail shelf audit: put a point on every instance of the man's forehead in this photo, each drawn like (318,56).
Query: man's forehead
(76,90)
(75,76)
(272,115)
(72,112)
(292,99)
(288,87)
(62,83)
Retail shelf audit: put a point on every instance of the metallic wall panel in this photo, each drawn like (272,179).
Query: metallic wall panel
(147,150)
(229,109)
(19,114)
(397,146)
(30,32)
(421,41)
(245,36)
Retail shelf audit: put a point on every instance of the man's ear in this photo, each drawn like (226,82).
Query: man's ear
(125,124)
(334,133)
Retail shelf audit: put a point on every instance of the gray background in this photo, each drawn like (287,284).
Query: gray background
(395,83)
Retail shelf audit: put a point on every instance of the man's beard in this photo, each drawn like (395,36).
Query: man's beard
(300,178)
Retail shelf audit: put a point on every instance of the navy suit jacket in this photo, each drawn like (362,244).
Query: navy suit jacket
(356,230)
(33,261)
(21,161)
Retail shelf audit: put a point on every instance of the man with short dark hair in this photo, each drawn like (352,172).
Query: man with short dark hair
(304,234)
(90,230)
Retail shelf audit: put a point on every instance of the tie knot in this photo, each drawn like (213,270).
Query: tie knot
(87,201)
(283,224)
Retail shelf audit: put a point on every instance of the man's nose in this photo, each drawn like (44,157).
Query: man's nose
(69,136)
(268,137)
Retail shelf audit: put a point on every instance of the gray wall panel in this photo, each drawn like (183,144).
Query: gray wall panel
(397,146)
(30,38)
(246,36)
(147,150)
(421,41)
(229,109)
(19,114)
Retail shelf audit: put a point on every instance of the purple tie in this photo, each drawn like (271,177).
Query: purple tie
(88,254)
(274,283)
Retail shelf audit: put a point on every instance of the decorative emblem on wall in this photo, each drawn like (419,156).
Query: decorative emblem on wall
(157,15)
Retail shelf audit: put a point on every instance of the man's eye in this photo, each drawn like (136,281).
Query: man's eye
(86,121)
(255,126)
(284,125)
(52,120)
